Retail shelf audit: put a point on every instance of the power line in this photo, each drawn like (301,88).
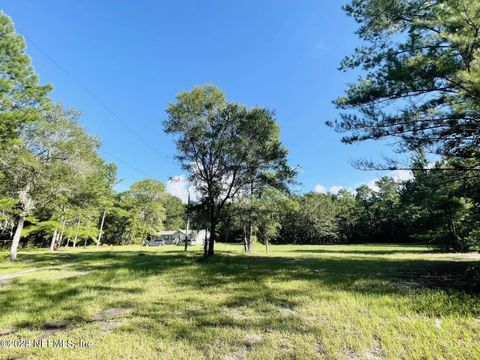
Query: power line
(94,97)
(128,164)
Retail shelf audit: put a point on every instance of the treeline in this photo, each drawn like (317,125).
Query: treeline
(435,206)
(55,189)
(418,88)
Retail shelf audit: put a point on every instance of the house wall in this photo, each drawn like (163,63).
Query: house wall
(172,239)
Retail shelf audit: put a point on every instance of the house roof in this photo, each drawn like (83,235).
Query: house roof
(171,232)
(168,232)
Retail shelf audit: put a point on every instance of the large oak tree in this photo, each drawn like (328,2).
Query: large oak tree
(223,146)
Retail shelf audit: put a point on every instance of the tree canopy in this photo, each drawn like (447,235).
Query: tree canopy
(420,81)
(224,146)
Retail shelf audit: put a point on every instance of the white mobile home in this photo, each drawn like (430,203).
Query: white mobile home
(197,237)
(177,237)
(172,237)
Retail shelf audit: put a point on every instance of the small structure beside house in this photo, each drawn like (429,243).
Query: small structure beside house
(177,237)
(171,237)
(197,237)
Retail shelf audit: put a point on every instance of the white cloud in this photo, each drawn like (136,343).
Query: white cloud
(335,189)
(372,184)
(402,175)
(177,186)
(397,175)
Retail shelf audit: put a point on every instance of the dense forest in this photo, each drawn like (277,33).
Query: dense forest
(433,206)
(421,87)
(55,188)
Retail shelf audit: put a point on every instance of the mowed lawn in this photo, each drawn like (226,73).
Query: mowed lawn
(296,302)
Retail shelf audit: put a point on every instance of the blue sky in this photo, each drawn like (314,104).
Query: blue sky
(136,55)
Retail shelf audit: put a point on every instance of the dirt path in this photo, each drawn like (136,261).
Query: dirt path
(46,277)
(18,273)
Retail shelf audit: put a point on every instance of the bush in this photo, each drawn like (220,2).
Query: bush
(472,276)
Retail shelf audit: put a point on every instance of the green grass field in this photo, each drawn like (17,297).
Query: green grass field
(297,302)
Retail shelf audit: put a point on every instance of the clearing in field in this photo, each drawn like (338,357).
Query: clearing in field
(297,302)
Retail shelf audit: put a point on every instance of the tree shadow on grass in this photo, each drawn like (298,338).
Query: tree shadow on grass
(254,281)
(370,251)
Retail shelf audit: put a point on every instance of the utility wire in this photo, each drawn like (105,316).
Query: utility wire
(94,97)
(129,164)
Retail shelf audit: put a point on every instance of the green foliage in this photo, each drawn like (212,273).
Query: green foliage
(472,275)
(438,208)
(420,84)
(312,221)
(296,302)
(421,81)
(224,146)
(269,208)
(174,212)
(47,226)
(21,97)
(137,212)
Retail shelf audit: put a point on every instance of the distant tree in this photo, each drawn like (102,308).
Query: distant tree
(147,199)
(222,145)
(312,220)
(51,159)
(437,208)
(379,212)
(104,185)
(141,210)
(118,225)
(272,183)
(174,212)
(269,209)
(318,214)
(347,215)
(365,210)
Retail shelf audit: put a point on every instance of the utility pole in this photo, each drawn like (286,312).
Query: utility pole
(180,179)
(188,217)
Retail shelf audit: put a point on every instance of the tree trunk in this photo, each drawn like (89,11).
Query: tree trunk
(60,240)
(186,233)
(76,235)
(101,227)
(266,244)
(211,242)
(245,238)
(455,239)
(249,237)
(16,238)
(27,206)
(250,223)
(12,226)
(54,240)
(205,241)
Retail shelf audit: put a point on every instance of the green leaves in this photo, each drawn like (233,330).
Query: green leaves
(48,163)
(226,147)
(136,213)
(421,75)
(21,97)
